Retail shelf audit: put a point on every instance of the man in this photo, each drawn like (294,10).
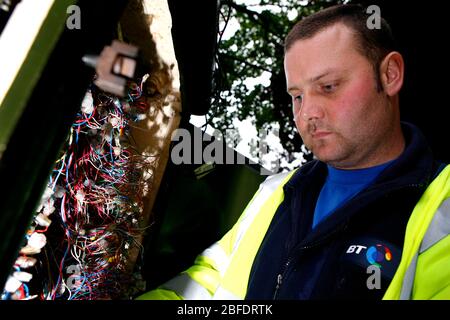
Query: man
(335,228)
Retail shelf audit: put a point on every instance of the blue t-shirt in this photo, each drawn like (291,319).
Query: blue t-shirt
(341,185)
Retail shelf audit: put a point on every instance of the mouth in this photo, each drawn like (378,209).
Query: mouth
(320,134)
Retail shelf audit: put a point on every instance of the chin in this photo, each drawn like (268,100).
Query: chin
(323,154)
(330,159)
(323,158)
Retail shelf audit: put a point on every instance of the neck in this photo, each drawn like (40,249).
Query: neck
(391,149)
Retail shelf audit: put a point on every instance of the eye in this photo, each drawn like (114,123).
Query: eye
(329,88)
(299,99)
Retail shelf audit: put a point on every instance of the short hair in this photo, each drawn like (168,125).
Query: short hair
(374,44)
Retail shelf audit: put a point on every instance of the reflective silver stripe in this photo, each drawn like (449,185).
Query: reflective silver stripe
(408,280)
(223,294)
(186,287)
(218,255)
(266,190)
(439,227)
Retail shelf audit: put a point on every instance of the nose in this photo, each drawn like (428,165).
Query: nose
(311,108)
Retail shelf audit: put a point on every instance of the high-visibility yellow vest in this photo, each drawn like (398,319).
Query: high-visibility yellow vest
(222,271)
(424,270)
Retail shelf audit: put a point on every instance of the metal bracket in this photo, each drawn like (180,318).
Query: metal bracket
(115,65)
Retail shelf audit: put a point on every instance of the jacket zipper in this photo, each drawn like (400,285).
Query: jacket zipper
(295,250)
(279,281)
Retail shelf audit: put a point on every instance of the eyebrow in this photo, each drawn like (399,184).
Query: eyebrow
(316,78)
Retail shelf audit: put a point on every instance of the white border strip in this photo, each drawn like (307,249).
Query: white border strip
(18,37)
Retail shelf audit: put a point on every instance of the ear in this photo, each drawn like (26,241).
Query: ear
(392,70)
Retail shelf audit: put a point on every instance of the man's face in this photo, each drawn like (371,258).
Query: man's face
(338,112)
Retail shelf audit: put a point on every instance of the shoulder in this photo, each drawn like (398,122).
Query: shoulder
(275,180)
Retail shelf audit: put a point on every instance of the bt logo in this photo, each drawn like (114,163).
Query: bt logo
(355,249)
(377,254)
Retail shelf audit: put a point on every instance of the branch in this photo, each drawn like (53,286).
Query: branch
(254,16)
(254,66)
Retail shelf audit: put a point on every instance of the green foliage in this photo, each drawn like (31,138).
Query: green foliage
(255,48)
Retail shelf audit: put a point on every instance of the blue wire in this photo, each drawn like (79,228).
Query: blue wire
(27,291)
(59,173)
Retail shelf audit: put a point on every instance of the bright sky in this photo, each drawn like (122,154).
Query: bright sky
(245,128)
